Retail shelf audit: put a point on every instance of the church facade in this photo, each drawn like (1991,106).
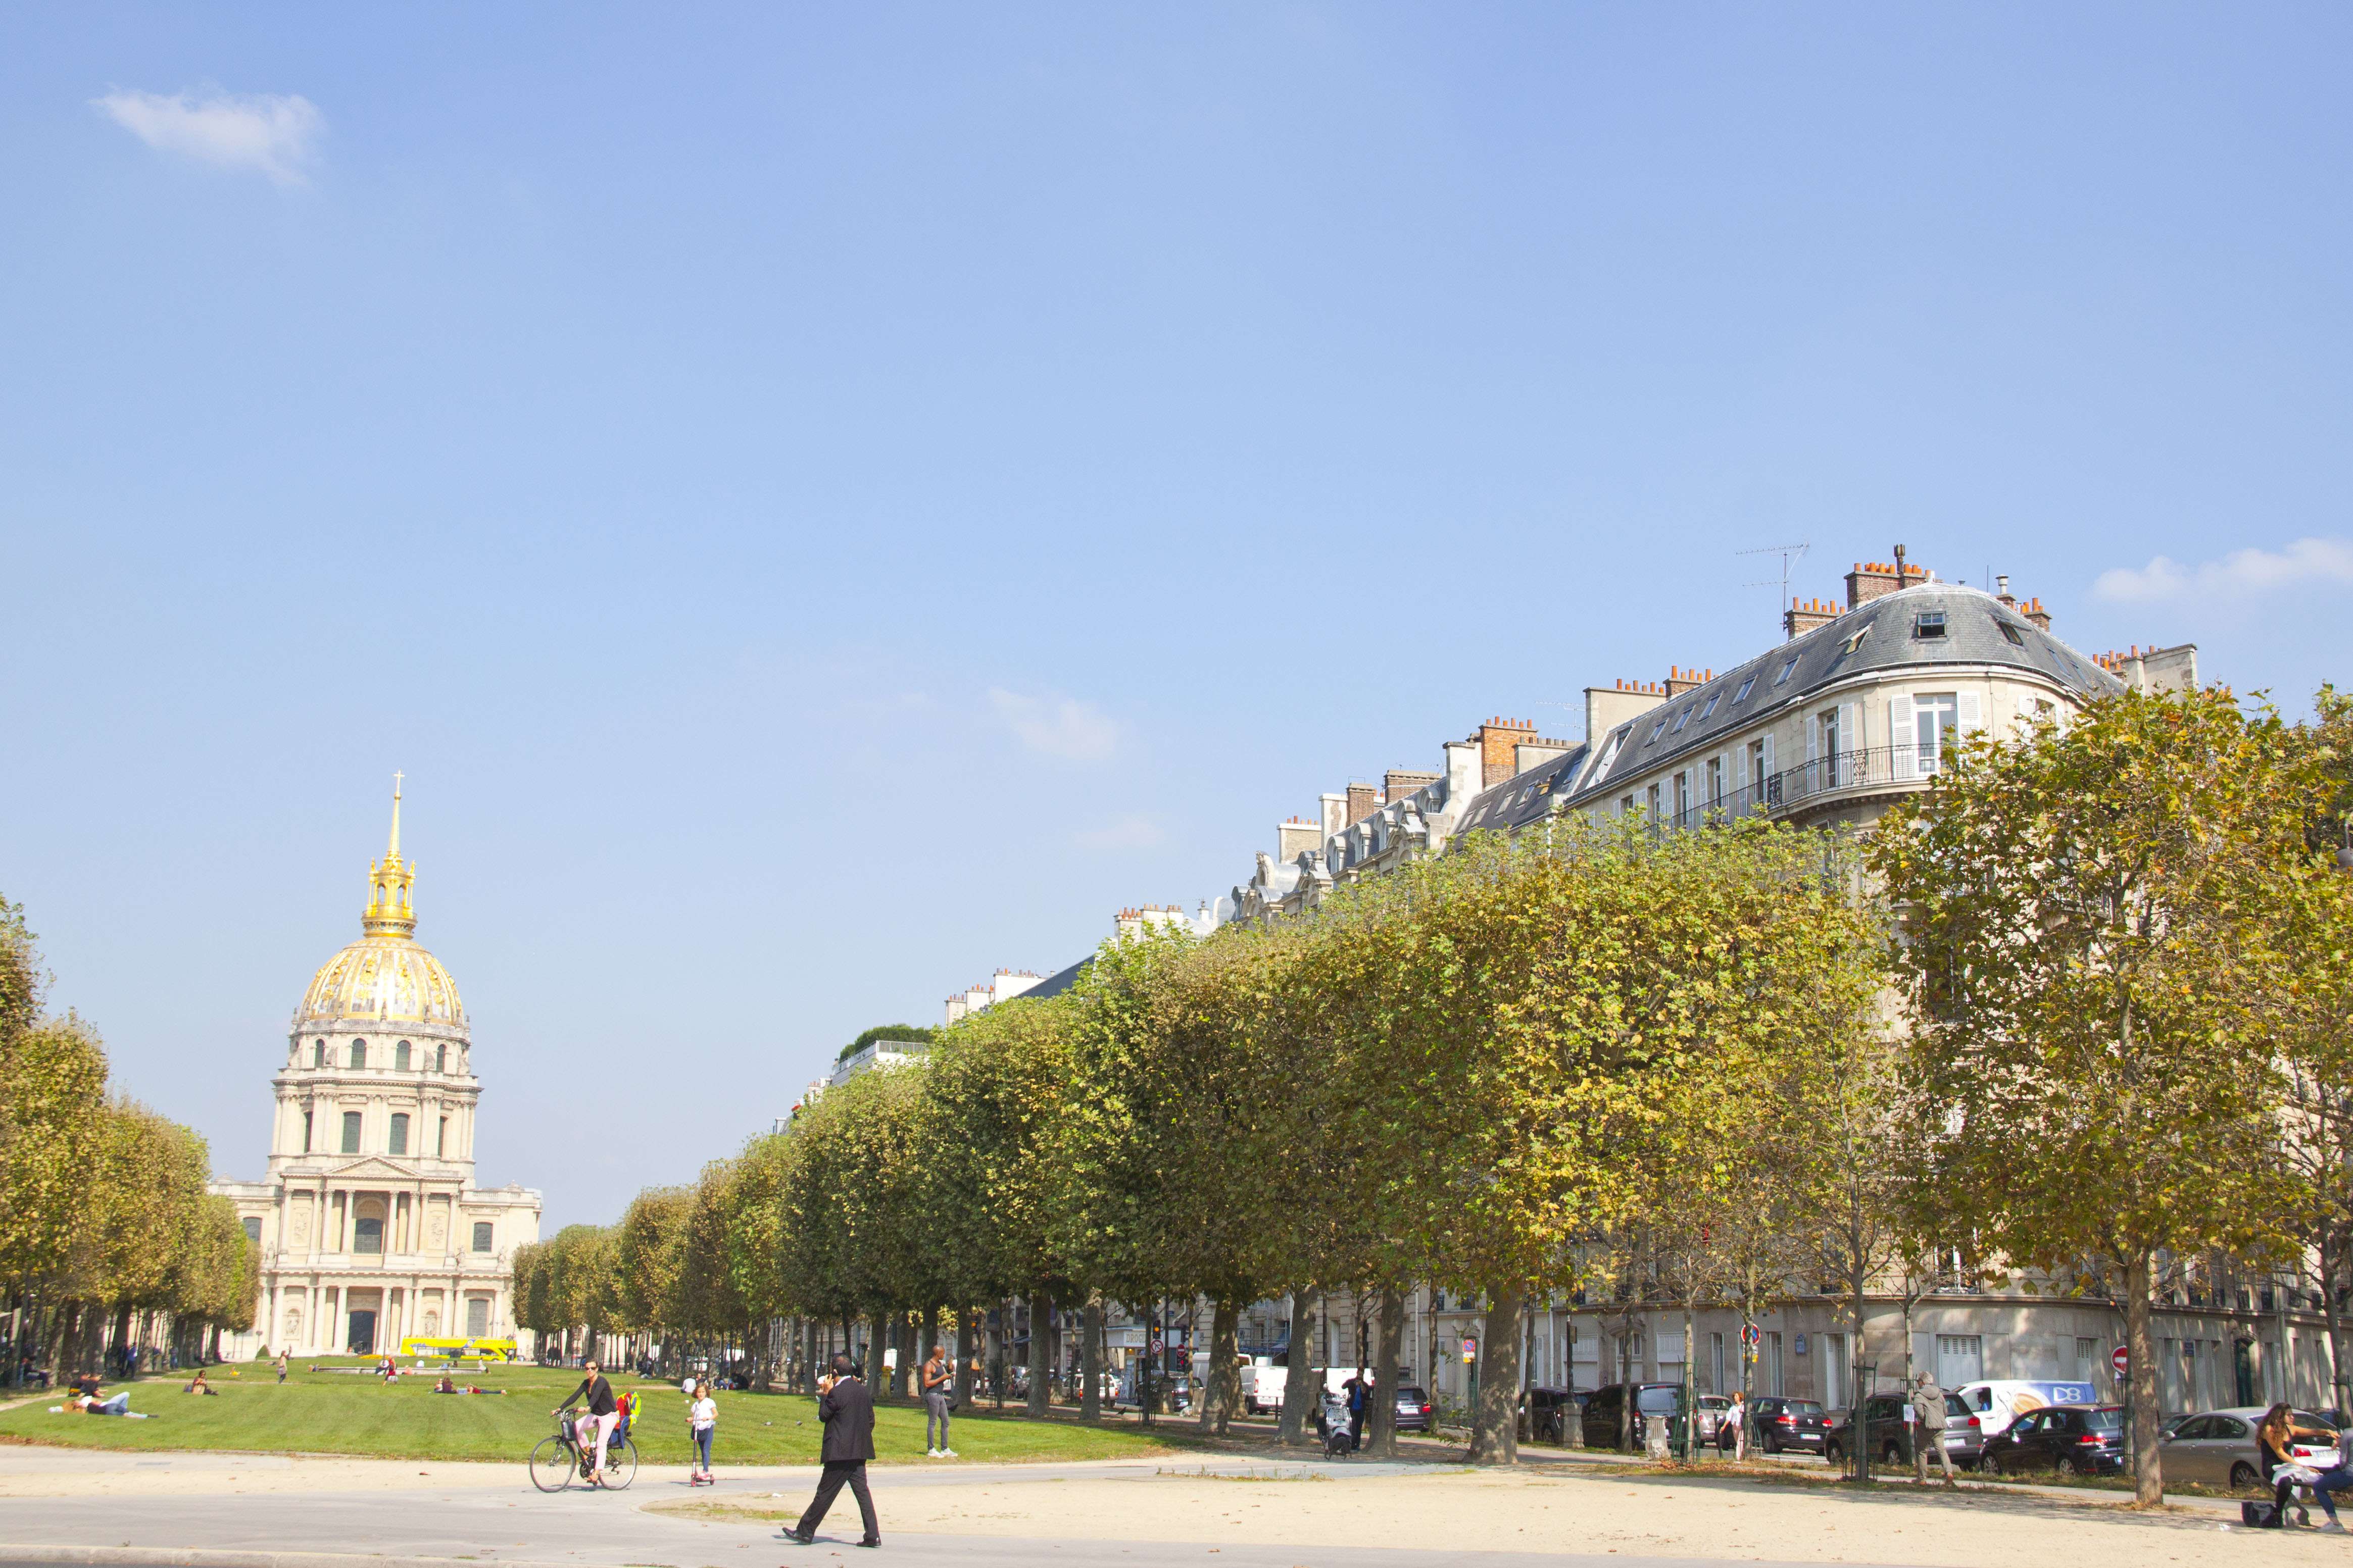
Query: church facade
(368,1222)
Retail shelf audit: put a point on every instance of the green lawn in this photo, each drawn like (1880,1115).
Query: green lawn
(325,1411)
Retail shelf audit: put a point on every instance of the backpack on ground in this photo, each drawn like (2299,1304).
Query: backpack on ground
(2259,1515)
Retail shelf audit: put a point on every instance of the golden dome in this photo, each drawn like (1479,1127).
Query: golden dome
(385,975)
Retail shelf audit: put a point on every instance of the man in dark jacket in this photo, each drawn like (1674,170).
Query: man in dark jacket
(846,1409)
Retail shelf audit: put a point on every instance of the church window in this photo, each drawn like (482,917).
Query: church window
(400,1132)
(306,1132)
(440,1058)
(253,1229)
(351,1131)
(441,1138)
(483,1235)
(400,1057)
(367,1234)
(318,1053)
(359,1053)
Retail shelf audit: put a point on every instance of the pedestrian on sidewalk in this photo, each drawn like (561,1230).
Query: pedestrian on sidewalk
(939,1384)
(702,1421)
(846,1409)
(1928,1432)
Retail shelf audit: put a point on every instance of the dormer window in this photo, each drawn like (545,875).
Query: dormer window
(1682,719)
(1742,695)
(1785,672)
(1712,701)
(1657,730)
(1853,642)
(1928,626)
(2010,632)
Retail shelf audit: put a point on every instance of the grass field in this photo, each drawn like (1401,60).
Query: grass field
(341,1412)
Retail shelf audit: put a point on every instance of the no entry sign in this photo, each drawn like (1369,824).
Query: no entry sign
(2120,1358)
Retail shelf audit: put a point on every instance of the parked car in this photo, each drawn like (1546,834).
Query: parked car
(1413,1410)
(1778,1425)
(2217,1446)
(1604,1405)
(1997,1402)
(2088,1440)
(1710,1416)
(1550,1410)
(1891,1433)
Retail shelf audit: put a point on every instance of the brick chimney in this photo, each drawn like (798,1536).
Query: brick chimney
(1681,680)
(1804,615)
(1606,707)
(1362,801)
(2033,611)
(1296,837)
(1870,579)
(1499,740)
(1400,783)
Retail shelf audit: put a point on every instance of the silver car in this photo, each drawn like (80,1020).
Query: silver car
(2218,1447)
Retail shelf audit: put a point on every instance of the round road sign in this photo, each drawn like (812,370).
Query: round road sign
(2120,1359)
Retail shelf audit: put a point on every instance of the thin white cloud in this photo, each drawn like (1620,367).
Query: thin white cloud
(270,131)
(2241,573)
(1058,726)
(1135,832)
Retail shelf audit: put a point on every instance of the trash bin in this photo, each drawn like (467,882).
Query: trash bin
(1654,1437)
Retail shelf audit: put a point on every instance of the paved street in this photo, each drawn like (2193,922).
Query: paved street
(1241,1513)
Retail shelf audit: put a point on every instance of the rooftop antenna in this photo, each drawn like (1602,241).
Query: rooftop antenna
(1791,555)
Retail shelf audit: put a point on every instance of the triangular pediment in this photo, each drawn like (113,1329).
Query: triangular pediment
(361,1169)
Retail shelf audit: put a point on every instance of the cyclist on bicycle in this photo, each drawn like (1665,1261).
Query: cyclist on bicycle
(591,1431)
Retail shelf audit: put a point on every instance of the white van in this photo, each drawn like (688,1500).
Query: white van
(1998,1401)
(1264,1379)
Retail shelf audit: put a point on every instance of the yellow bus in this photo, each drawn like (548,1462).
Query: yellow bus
(419,1347)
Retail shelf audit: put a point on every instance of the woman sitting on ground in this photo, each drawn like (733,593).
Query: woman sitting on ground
(200,1386)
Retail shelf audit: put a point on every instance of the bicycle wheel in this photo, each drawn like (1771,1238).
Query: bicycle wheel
(621,1468)
(551,1465)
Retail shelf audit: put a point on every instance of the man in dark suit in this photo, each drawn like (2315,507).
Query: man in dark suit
(846,1409)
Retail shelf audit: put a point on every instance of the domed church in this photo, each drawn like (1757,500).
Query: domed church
(370,1228)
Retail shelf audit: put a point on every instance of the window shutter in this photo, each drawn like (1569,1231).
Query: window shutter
(1768,754)
(1899,735)
(1969,721)
(1850,727)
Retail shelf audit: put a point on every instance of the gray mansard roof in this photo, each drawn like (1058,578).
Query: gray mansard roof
(1523,798)
(1762,687)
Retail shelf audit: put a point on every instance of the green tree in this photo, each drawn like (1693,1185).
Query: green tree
(2090,918)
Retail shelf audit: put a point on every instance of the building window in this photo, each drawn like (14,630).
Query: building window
(1935,717)
(1826,726)
(306,1132)
(1626,807)
(400,1057)
(1657,730)
(2010,632)
(1757,769)
(1928,626)
(1785,672)
(318,1053)
(359,1053)
(1961,1359)
(1716,782)
(440,1058)
(351,1131)
(367,1234)
(483,1235)
(441,1138)
(399,1132)
(253,1229)
(1742,695)
(1682,797)
(1682,719)
(1712,701)
(1654,803)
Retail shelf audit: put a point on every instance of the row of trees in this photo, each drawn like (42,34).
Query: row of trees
(108,1238)
(2081,1006)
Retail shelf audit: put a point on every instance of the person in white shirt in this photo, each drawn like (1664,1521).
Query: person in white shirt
(701,1420)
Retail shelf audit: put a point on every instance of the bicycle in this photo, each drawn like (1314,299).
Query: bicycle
(559,1461)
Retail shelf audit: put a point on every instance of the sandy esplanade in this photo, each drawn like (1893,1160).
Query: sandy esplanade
(28,1471)
(1640,1516)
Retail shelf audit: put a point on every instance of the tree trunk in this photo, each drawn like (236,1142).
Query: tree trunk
(1221,1392)
(1495,1427)
(1041,1309)
(1626,1381)
(966,1351)
(1301,1389)
(1380,1421)
(2149,1408)
(1857,1285)
(1091,1362)
(2341,1396)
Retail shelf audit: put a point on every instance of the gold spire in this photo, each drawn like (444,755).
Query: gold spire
(390,912)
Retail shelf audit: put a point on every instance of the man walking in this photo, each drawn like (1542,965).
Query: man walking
(939,1383)
(1928,1404)
(846,1409)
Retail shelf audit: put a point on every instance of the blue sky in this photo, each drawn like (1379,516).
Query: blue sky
(826,502)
